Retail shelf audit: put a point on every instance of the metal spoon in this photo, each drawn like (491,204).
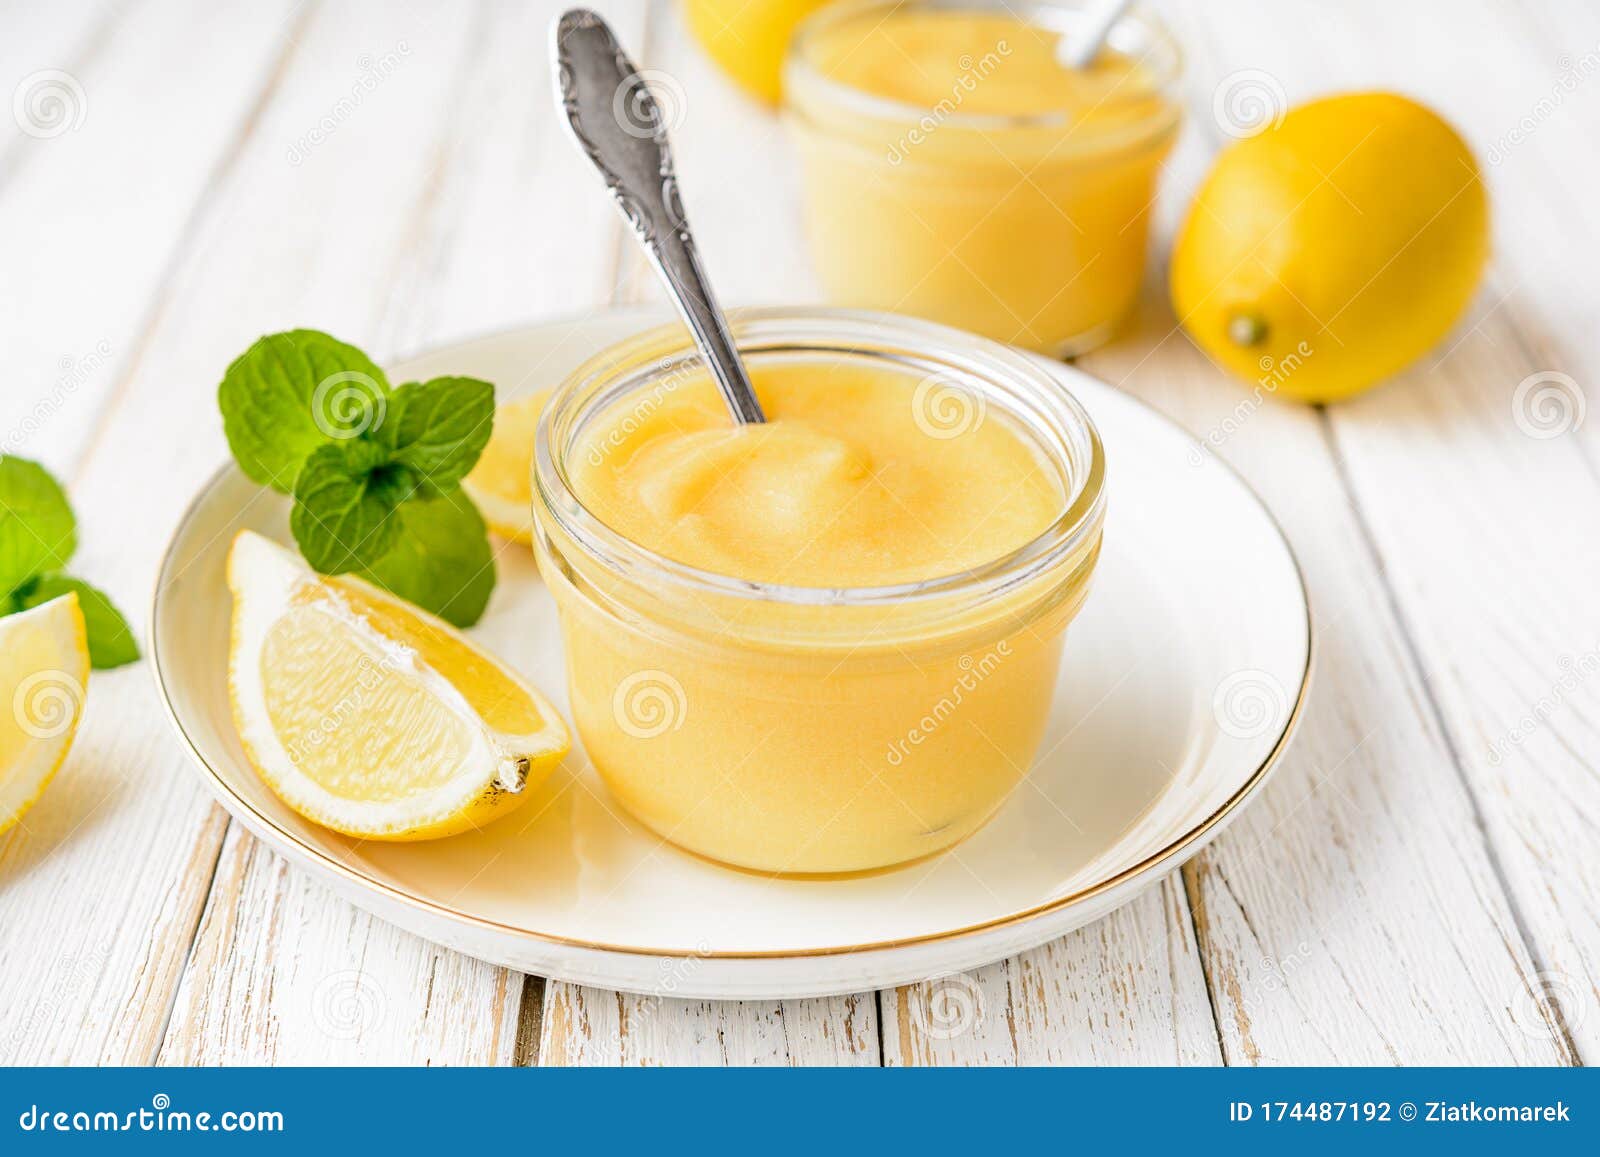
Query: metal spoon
(615,120)
(1079,51)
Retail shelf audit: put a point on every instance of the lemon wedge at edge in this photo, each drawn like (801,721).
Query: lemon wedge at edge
(44,670)
(369,716)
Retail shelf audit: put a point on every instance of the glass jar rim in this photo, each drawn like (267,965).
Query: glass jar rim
(1135,24)
(638,363)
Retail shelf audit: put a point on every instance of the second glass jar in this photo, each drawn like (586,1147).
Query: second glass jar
(955,170)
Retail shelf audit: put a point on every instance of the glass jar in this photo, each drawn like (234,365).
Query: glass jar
(797,729)
(953,170)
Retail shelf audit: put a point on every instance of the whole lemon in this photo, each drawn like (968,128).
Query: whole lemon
(748,38)
(1332,250)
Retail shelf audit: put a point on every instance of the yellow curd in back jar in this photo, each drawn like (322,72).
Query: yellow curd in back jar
(825,643)
(956,170)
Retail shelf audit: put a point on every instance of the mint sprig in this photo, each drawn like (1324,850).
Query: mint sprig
(443,560)
(289,394)
(375,471)
(439,429)
(38,531)
(38,535)
(344,500)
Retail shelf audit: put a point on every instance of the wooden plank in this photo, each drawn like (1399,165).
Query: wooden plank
(93,201)
(281,973)
(589,1026)
(1128,989)
(1355,914)
(100,885)
(1493,443)
(42,66)
(464,231)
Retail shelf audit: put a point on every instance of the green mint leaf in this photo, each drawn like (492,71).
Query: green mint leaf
(293,392)
(111,641)
(443,561)
(374,471)
(439,428)
(345,503)
(37,529)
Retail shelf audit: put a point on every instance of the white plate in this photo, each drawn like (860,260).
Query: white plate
(1183,678)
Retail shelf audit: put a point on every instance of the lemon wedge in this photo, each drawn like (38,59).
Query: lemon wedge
(501,484)
(369,716)
(44,670)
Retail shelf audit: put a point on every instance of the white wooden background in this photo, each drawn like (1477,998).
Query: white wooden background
(1420,883)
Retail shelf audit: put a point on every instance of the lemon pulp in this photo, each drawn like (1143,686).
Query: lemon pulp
(369,716)
(44,673)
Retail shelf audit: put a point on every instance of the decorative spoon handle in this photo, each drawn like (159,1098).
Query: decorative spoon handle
(615,120)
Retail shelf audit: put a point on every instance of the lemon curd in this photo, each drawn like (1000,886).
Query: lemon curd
(956,170)
(829,642)
(848,483)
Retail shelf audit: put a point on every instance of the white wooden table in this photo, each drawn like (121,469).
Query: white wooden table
(1420,883)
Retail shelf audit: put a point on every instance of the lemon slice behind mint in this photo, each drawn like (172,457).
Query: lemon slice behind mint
(502,481)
